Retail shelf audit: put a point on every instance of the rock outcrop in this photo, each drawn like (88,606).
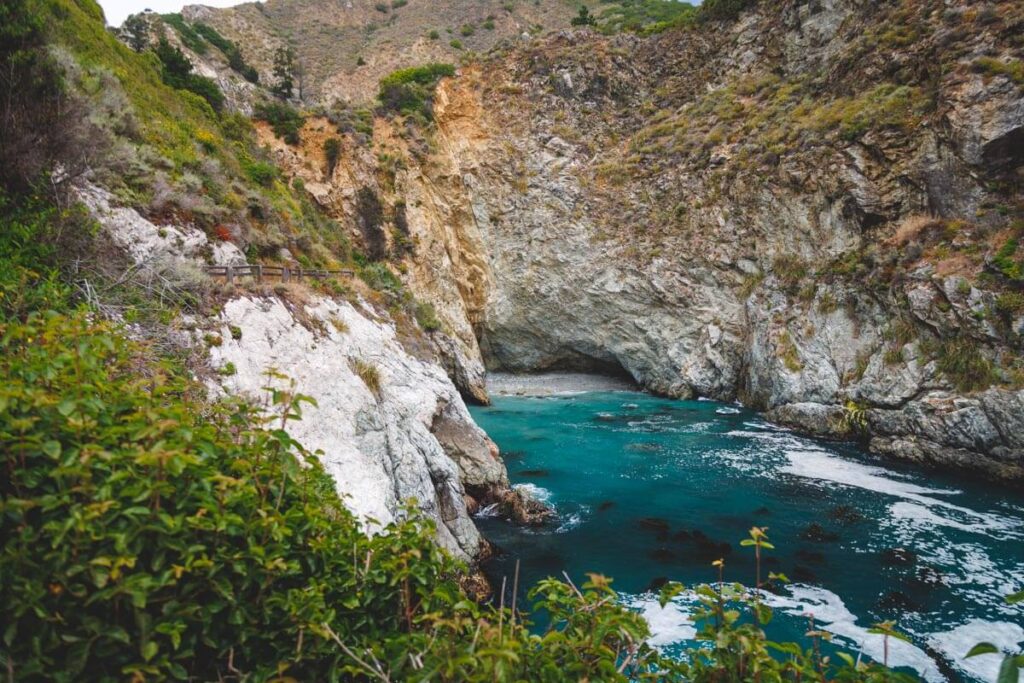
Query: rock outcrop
(389,427)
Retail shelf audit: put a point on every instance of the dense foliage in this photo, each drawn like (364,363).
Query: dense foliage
(177,73)
(411,90)
(285,120)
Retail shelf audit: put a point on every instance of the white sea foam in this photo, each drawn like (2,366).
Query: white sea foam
(573,520)
(727,410)
(832,615)
(669,625)
(820,465)
(538,493)
(957,642)
(488,511)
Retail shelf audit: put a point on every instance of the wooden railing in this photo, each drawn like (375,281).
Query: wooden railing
(259,272)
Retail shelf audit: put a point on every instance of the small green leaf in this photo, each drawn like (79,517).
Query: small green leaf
(982,649)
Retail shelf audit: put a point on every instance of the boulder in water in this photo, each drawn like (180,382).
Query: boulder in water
(606,505)
(535,473)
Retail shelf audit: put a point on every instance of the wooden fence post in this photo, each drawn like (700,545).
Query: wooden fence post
(229,275)
(259,273)
(285,274)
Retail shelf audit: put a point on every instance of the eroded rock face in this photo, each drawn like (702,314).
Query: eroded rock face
(725,272)
(409,438)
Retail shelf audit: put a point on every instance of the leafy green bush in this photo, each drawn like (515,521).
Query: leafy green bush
(1007,262)
(426,316)
(29,275)
(285,120)
(411,90)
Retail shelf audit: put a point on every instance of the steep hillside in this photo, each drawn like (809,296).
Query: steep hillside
(345,47)
(812,208)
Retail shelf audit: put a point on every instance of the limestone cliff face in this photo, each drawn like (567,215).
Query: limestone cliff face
(403,436)
(387,423)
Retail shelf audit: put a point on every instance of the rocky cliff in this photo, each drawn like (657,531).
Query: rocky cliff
(384,418)
(813,209)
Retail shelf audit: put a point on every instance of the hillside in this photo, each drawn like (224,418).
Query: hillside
(347,46)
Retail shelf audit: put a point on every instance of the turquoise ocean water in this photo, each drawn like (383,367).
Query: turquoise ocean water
(649,489)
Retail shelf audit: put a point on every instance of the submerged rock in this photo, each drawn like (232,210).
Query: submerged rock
(818,534)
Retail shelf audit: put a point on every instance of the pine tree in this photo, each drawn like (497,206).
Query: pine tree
(284,73)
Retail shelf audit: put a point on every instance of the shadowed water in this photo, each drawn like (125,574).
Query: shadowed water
(650,489)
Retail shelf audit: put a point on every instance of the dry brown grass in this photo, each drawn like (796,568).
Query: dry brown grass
(910,229)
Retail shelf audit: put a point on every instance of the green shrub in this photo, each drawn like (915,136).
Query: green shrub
(285,120)
(723,9)
(230,50)
(177,72)
(190,38)
(426,316)
(411,90)
(645,16)
(1010,304)
(260,172)
(379,277)
(332,152)
(467,30)
(455,43)
(1004,261)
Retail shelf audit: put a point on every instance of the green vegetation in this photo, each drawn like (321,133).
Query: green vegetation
(1007,261)
(411,90)
(177,72)
(180,543)
(583,17)
(990,66)
(284,73)
(190,38)
(285,120)
(426,317)
(644,16)
(960,361)
(655,16)
(369,373)
(332,152)
(230,50)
